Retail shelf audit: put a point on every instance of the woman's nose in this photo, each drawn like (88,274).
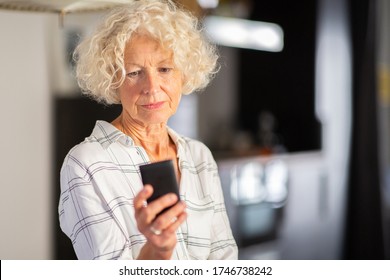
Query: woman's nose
(151,83)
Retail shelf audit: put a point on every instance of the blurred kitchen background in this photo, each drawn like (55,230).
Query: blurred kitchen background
(298,120)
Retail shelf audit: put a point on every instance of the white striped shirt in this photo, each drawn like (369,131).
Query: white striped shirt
(99,179)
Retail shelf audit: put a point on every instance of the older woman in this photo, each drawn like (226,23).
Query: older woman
(144,56)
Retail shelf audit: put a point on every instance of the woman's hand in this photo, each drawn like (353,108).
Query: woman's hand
(160,231)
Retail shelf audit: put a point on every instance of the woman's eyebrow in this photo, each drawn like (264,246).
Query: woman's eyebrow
(132,64)
(166,60)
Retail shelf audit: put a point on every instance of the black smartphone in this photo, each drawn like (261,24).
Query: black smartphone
(161,175)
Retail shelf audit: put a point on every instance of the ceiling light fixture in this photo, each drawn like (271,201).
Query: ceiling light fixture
(241,33)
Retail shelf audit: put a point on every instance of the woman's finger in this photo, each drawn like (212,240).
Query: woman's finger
(142,196)
(158,205)
(161,238)
(145,214)
(170,216)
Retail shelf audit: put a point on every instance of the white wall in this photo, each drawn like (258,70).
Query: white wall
(25,146)
(333,107)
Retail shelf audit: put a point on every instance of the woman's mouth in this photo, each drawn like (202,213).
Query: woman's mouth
(153,106)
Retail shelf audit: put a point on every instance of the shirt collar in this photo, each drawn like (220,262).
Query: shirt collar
(106,134)
(178,140)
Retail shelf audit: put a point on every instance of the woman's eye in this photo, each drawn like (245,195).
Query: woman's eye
(165,69)
(133,74)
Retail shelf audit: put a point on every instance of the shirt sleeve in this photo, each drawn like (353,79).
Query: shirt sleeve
(86,218)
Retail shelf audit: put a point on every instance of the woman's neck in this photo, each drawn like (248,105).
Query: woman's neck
(153,138)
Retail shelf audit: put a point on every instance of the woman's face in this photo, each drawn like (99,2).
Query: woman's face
(152,89)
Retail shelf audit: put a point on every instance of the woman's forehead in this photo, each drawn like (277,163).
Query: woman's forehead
(144,47)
